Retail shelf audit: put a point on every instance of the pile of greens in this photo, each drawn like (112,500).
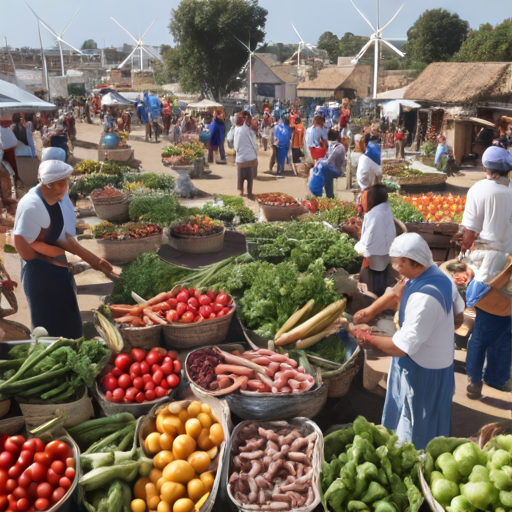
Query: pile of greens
(85,184)
(334,211)
(404,211)
(365,470)
(150,180)
(233,207)
(159,209)
(330,349)
(52,373)
(302,243)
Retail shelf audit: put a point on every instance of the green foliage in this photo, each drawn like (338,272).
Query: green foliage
(160,209)
(429,148)
(151,180)
(167,70)
(281,51)
(233,207)
(346,46)
(210,58)
(86,184)
(89,44)
(147,276)
(330,348)
(435,36)
(488,44)
(331,44)
(404,211)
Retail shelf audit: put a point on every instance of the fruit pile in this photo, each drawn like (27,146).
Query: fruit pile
(142,376)
(184,445)
(107,191)
(438,208)
(34,476)
(276,199)
(197,226)
(191,306)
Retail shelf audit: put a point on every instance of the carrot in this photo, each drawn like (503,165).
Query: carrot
(147,321)
(138,322)
(162,306)
(136,310)
(233,368)
(161,297)
(126,319)
(119,310)
(153,316)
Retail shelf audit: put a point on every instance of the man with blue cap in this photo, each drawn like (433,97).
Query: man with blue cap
(487,223)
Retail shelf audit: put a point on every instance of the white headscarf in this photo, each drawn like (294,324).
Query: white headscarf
(54,170)
(412,245)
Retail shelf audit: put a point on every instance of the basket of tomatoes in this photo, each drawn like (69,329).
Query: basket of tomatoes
(138,381)
(199,318)
(198,235)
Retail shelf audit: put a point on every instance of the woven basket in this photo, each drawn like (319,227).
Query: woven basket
(141,337)
(5,405)
(185,336)
(112,209)
(434,178)
(282,213)
(427,493)
(198,244)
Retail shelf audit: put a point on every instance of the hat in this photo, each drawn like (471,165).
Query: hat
(53,170)
(497,159)
(412,246)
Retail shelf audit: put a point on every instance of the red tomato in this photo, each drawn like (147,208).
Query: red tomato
(25,479)
(17,440)
(155,368)
(172,354)
(42,504)
(182,296)
(58,494)
(160,392)
(29,445)
(191,292)
(12,447)
(44,490)
(205,311)
(53,478)
(147,378)
(65,482)
(204,300)
(135,369)
(191,309)
(3,481)
(43,458)
(13,507)
(188,317)
(51,449)
(38,471)
(32,491)
(176,366)
(157,377)
(125,381)
(117,372)
(70,462)
(22,504)
(130,395)
(6,460)
(26,458)
(193,302)
(217,308)
(19,493)
(172,316)
(70,473)
(167,359)
(173,380)
(181,308)
(118,395)
(11,485)
(150,386)
(211,295)
(123,361)
(150,395)
(164,384)
(109,382)
(173,303)
(4,502)
(109,396)
(223,298)
(167,368)
(64,451)
(39,445)
(15,471)
(153,357)
(221,313)
(140,397)
(138,382)
(226,310)
(144,368)
(138,354)
(212,316)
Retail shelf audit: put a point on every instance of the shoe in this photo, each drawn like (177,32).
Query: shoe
(251,197)
(474,390)
(499,388)
(280,177)
(221,162)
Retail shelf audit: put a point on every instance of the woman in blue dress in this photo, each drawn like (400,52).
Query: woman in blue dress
(421,381)
(282,137)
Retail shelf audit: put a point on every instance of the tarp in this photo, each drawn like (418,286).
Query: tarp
(394,94)
(204,104)
(392,108)
(114,98)
(16,99)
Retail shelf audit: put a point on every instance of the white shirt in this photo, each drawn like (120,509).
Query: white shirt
(378,232)
(7,139)
(246,144)
(367,172)
(32,216)
(354,159)
(488,212)
(313,136)
(427,335)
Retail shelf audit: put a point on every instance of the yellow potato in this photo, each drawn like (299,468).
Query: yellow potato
(213,452)
(153,442)
(195,489)
(172,491)
(183,446)
(166,441)
(203,441)
(138,505)
(193,427)
(206,409)
(183,505)
(163,507)
(179,471)
(172,425)
(216,434)
(207,479)
(161,459)
(205,419)
(194,409)
(155,475)
(184,416)
(202,501)
(200,461)
(139,489)
(174,408)
(160,483)
(160,423)
(153,499)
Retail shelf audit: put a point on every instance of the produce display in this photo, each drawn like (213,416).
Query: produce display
(184,153)
(142,376)
(228,209)
(437,208)
(105,192)
(185,444)
(54,373)
(157,208)
(464,478)
(276,199)
(259,371)
(34,475)
(332,211)
(272,467)
(197,227)
(128,231)
(404,211)
(366,470)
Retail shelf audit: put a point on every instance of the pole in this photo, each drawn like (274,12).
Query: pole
(61,59)
(376,56)
(43,65)
(298,61)
(141,61)
(250,82)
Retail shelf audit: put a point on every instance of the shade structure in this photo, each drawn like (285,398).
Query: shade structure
(115,99)
(392,108)
(204,104)
(15,99)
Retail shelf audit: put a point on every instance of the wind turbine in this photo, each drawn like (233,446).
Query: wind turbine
(302,45)
(251,55)
(59,39)
(376,38)
(140,46)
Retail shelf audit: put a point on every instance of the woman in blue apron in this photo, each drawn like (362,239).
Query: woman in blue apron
(44,229)
(421,381)
(282,136)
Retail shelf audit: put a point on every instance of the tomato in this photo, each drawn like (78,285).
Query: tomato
(70,462)
(150,395)
(44,490)
(43,458)
(64,451)
(42,504)
(166,368)
(150,386)
(212,316)
(29,445)
(25,479)
(153,357)
(138,382)
(181,308)
(53,478)
(172,315)
(182,296)
(26,458)
(160,392)
(140,397)
(135,369)
(205,311)
(176,365)
(188,317)
(70,473)
(211,295)
(58,494)
(217,308)
(173,303)
(138,354)
(221,313)
(155,368)
(3,481)
(19,493)
(6,460)
(191,292)
(117,372)
(125,381)
(157,377)
(147,378)
(109,396)
(38,472)
(109,382)
(193,302)
(32,491)
(12,447)
(39,445)
(15,471)
(65,482)
(123,361)
(226,310)
(4,502)
(164,384)
(204,300)
(173,380)
(12,503)
(11,485)
(118,395)
(192,309)
(130,395)
(223,299)
(22,505)
(144,368)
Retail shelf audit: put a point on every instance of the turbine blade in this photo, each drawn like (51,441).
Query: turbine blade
(71,46)
(70,22)
(297,32)
(117,23)
(150,52)
(149,28)
(47,27)
(243,44)
(394,48)
(127,58)
(363,49)
(396,14)
(364,17)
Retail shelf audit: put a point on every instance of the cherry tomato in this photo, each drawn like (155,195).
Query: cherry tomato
(12,447)
(147,378)
(193,302)
(217,308)
(65,482)
(19,493)
(138,354)
(123,361)
(138,382)
(4,502)
(173,303)
(160,392)
(173,380)
(29,445)
(191,292)
(39,445)
(44,490)
(212,316)
(70,473)
(15,471)
(150,386)
(153,357)
(3,481)
(135,369)
(157,377)
(145,367)
(42,504)
(223,298)
(140,397)
(64,451)
(130,395)
(109,382)
(11,485)
(172,315)
(164,384)
(172,354)
(58,466)
(32,491)
(22,505)
(58,494)
(118,395)
(25,480)
(191,309)
(155,368)
(211,295)
(125,381)
(167,368)
(226,310)
(181,308)
(53,478)
(182,296)
(51,448)
(38,472)
(26,458)
(70,462)
(13,507)
(17,440)
(176,365)
(221,313)
(188,317)
(205,311)
(6,460)
(204,300)
(108,396)
(150,395)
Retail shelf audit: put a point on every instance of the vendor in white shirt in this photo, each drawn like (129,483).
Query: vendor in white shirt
(369,171)
(421,381)
(377,235)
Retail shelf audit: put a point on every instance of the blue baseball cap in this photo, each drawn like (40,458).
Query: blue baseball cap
(497,159)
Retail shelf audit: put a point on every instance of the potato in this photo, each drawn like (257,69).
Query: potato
(207,479)
(200,461)
(195,489)
(153,442)
(183,505)
(179,471)
(172,491)
(183,446)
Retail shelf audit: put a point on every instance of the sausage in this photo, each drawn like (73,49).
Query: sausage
(221,369)
(300,457)
(262,482)
(298,444)
(257,468)
(253,455)
(252,445)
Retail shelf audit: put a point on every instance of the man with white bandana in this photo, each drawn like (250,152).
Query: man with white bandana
(44,230)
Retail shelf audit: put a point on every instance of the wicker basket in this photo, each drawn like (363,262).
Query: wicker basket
(141,337)
(433,178)
(179,336)
(5,405)
(427,493)
(112,209)
(198,244)
(282,213)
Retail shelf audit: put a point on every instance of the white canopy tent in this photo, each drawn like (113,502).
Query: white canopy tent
(204,104)
(115,99)
(14,98)
(392,108)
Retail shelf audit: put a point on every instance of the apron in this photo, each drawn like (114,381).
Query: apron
(51,289)
(419,400)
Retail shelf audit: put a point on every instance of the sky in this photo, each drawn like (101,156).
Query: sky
(19,25)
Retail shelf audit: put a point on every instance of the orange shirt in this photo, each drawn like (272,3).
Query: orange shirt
(298,136)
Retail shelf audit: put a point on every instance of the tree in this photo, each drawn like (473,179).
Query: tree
(491,44)
(435,36)
(167,71)
(210,58)
(331,44)
(350,45)
(90,44)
